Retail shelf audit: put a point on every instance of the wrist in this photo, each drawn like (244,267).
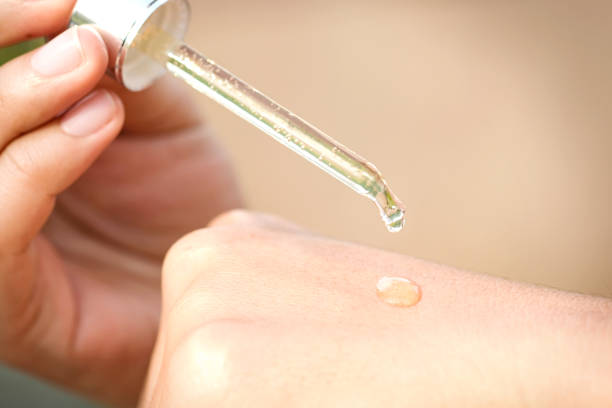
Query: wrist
(586,349)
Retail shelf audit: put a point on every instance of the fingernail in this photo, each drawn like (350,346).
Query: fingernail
(90,115)
(60,56)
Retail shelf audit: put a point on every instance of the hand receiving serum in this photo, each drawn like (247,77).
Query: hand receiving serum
(147,39)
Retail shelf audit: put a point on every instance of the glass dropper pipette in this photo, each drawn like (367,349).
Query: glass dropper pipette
(207,77)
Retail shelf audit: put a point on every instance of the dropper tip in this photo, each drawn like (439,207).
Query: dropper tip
(391,209)
(395,222)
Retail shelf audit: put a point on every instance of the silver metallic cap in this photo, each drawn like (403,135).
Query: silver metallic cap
(120,22)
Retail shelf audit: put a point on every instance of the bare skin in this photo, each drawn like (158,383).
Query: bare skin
(258,313)
(87,217)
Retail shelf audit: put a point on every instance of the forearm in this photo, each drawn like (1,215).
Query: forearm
(520,344)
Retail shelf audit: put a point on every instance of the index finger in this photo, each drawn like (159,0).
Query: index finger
(24,19)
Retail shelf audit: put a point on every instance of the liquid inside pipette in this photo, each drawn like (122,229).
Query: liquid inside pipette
(298,135)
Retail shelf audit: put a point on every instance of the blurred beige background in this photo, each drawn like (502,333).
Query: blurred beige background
(490,119)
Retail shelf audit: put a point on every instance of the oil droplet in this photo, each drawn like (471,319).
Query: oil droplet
(399,292)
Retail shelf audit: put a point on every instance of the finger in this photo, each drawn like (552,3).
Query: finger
(39,165)
(20,20)
(36,87)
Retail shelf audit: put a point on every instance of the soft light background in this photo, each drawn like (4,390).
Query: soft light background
(490,119)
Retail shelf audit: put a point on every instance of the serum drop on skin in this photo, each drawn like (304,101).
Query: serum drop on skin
(398,292)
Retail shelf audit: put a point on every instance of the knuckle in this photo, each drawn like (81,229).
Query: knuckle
(196,256)
(235,217)
(199,246)
(256,223)
(212,354)
(21,162)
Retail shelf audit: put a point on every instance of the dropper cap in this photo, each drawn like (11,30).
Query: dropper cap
(120,22)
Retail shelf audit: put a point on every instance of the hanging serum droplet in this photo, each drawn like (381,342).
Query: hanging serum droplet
(398,292)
